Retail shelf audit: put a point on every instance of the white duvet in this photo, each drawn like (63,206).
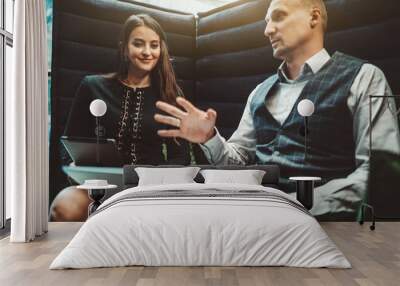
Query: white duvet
(206,230)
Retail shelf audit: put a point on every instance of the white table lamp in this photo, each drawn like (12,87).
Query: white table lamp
(305,108)
(98,108)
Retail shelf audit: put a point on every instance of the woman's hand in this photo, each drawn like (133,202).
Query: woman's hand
(194,125)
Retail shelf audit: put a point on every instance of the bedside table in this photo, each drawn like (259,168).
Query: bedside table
(96,190)
(305,190)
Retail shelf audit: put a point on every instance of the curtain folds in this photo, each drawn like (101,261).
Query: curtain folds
(27,124)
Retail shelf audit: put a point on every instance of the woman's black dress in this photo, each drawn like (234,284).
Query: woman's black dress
(129,119)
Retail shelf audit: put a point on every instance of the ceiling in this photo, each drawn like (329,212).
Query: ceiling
(189,6)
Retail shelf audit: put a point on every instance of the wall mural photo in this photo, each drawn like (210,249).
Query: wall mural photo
(295,84)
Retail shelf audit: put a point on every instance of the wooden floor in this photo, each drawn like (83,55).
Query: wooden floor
(374,255)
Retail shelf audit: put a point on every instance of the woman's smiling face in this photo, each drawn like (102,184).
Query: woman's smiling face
(143,50)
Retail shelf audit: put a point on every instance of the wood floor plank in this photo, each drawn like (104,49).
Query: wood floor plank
(374,255)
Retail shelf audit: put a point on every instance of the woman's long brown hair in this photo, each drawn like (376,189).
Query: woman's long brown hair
(162,76)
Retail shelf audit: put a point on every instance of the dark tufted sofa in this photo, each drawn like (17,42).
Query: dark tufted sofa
(219,57)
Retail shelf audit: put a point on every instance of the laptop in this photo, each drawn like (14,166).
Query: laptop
(86,151)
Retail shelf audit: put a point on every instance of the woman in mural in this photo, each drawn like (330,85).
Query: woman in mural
(144,75)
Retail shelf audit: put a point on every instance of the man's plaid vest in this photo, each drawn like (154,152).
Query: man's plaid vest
(331,152)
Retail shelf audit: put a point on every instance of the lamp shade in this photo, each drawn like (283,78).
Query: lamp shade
(98,107)
(305,107)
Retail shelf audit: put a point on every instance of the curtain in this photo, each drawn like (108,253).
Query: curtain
(27,124)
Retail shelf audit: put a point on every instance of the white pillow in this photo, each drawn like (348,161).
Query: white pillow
(248,177)
(164,176)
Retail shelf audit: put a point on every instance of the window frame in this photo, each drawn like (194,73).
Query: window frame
(6,39)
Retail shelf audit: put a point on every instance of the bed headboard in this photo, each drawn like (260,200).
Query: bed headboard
(271,178)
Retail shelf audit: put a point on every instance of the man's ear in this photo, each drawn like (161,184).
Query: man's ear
(315,17)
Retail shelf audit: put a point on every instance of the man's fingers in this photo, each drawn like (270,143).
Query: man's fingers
(173,121)
(169,133)
(170,109)
(185,104)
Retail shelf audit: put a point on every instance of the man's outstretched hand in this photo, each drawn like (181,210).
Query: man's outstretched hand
(193,124)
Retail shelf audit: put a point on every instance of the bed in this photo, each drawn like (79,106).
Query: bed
(201,224)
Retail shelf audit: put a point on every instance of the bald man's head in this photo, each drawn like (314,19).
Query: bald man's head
(295,27)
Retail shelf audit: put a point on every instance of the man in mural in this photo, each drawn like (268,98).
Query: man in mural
(268,133)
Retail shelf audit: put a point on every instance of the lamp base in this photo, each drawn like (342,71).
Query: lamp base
(96,195)
(305,190)
(305,193)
